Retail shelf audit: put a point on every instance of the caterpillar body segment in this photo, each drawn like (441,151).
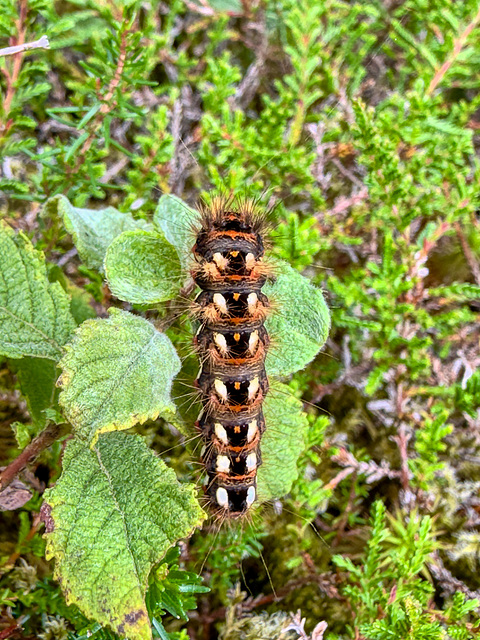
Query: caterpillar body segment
(232,343)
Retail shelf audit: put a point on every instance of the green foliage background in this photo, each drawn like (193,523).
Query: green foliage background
(356,121)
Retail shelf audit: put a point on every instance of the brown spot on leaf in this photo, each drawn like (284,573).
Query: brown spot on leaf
(46,517)
(130,619)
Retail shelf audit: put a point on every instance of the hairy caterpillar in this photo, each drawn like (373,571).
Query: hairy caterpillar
(232,343)
(222,247)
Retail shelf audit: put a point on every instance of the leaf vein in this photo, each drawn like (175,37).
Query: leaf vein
(122,516)
(115,386)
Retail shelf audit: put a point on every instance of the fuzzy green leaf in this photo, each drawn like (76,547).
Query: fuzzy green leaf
(80,304)
(117,372)
(35,317)
(80,300)
(299,326)
(143,268)
(110,518)
(282,442)
(93,230)
(37,378)
(178,222)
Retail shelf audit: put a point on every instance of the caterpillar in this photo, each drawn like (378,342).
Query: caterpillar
(231,343)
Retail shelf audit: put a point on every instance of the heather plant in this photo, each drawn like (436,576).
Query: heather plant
(355,125)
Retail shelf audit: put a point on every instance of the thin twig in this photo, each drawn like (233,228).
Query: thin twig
(38,444)
(343,203)
(62,261)
(106,108)
(42,43)
(12,77)
(108,104)
(202,8)
(338,478)
(324,581)
(348,509)
(449,583)
(9,631)
(114,170)
(348,174)
(402,439)
(457,48)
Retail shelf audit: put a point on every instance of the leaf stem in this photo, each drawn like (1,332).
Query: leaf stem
(31,451)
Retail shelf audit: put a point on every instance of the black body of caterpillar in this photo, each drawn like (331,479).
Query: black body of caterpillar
(232,343)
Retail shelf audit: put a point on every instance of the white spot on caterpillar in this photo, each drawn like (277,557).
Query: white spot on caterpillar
(252,301)
(221,342)
(250,261)
(251,461)
(222,497)
(221,390)
(252,430)
(220,302)
(220,261)
(221,433)
(210,270)
(223,464)
(252,388)
(250,495)
(252,342)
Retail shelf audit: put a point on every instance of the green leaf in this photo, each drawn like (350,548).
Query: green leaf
(300,323)
(24,433)
(80,300)
(117,372)
(80,304)
(76,145)
(187,400)
(35,318)
(37,378)
(110,518)
(178,223)
(282,443)
(93,230)
(143,268)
